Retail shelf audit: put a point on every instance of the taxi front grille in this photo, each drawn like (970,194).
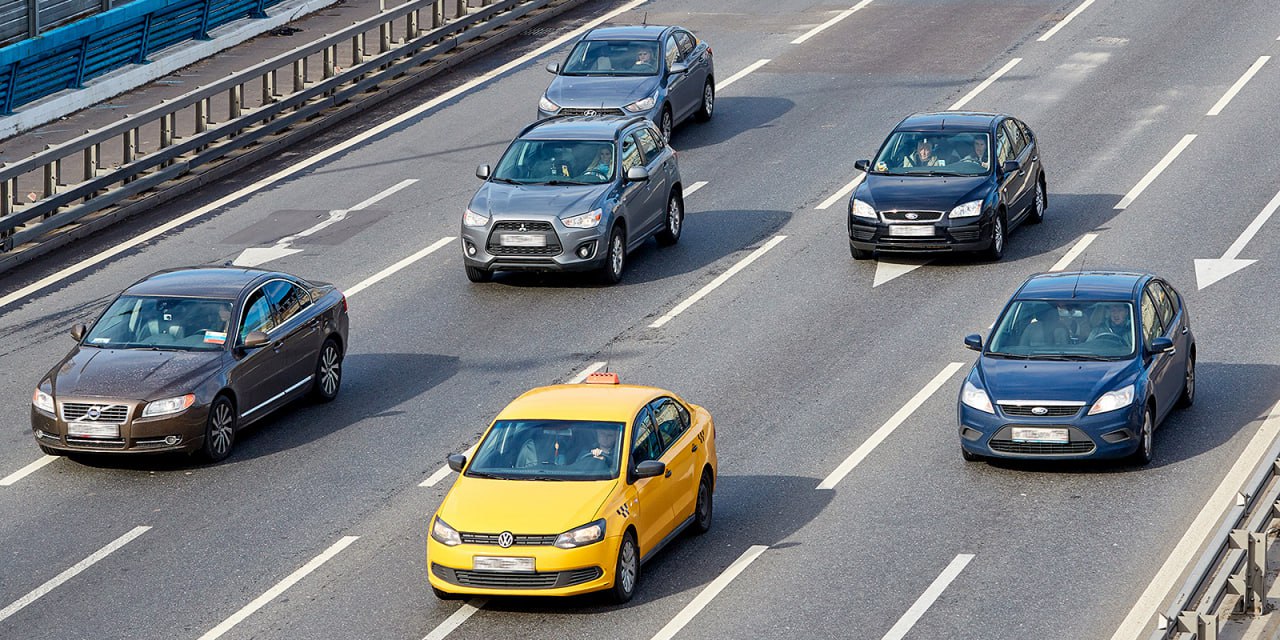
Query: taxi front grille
(520,539)
(516,579)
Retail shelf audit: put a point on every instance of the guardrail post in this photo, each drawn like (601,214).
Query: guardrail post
(144,44)
(1205,627)
(268,88)
(462,9)
(299,75)
(203,33)
(1250,584)
(330,53)
(437,14)
(411,29)
(6,195)
(92,161)
(78,81)
(234,97)
(384,41)
(259,9)
(33,18)
(128,149)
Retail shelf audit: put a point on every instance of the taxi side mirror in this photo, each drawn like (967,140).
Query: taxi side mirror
(973,341)
(457,461)
(78,332)
(649,469)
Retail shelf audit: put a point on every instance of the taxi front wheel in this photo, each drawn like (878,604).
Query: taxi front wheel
(627,572)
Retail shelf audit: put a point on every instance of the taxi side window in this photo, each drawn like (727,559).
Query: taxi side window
(671,423)
(648,143)
(630,153)
(1150,318)
(648,442)
(1162,303)
(258,314)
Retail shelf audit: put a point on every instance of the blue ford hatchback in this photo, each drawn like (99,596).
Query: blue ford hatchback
(1079,365)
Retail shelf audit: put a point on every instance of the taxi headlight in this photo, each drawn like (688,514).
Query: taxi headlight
(444,534)
(42,401)
(966,210)
(547,105)
(168,406)
(586,220)
(974,397)
(863,209)
(473,219)
(582,536)
(1112,400)
(643,104)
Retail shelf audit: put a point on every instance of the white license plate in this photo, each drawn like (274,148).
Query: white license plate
(1033,434)
(912,230)
(491,563)
(523,240)
(93,430)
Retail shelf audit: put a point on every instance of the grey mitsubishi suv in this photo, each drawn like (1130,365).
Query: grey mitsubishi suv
(574,193)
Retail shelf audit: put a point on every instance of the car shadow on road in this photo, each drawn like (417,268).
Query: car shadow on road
(733,115)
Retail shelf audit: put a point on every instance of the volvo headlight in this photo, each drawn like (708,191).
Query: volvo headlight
(976,398)
(42,401)
(582,536)
(473,219)
(586,220)
(168,406)
(547,105)
(863,209)
(444,534)
(643,104)
(1112,400)
(966,210)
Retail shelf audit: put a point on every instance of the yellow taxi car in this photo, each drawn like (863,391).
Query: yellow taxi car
(572,488)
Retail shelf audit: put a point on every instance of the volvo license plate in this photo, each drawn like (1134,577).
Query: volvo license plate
(911,230)
(523,240)
(491,563)
(1040,434)
(93,430)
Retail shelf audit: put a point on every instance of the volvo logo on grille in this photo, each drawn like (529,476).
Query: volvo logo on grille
(1039,411)
(93,413)
(505,539)
(913,216)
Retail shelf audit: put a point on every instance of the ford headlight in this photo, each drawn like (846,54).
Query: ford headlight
(473,219)
(168,406)
(582,536)
(643,104)
(547,105)
(42,401)
(586,220)
(1112,400)
(444,534)
(863,210)
(966,210)
(976,398)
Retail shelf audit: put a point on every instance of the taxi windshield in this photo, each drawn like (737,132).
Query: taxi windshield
(549,450)
(162,323)
(1065,330)
(932,153)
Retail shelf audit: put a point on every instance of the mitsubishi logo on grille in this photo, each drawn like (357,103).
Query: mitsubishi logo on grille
(523,228)
(93,413)
(912,216)
(1039,411)
(590,112)
(505,539)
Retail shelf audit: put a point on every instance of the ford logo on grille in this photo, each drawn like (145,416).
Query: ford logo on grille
(1039,411)
(505,539)
(912,216)
(93,413)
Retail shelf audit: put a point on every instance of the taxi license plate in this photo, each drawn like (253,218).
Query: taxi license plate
(1030,434)
(523,240)
(490,563)
(911,230)
(91,430)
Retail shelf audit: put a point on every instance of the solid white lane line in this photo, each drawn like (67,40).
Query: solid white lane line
(382,275)
(985,83)
(27,470)
(693,188)
(711,591)
(582,375)
(314,159)
(742,74)
(271,594)
(1155,171)
(1235,88)
(888,427)
(714,284)
(1070,16)
(1138,624)
(823,27)
(843,192)
(926,599)
(468,609)
(57,580)
(384,194)
(1081,244)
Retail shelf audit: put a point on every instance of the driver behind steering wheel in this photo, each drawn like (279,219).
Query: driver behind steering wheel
(601,165)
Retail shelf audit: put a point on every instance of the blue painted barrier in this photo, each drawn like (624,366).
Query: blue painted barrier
(66,57)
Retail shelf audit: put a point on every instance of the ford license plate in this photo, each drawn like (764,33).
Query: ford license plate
(1039,434)
(911,230)
(93,430)
(491,563)
(523,240)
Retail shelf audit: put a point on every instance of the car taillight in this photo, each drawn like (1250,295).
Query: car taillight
(344,303)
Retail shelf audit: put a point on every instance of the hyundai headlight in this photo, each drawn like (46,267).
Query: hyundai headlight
(976,398)
(582,536)
(473,219)
(42,401)
(444,534)
(966,210)
(548,105)
(586,220)
(168,406)
(643,104)
(1112,400)
(863,209)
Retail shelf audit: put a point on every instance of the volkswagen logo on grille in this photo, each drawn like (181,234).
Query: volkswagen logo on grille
(93,413)
(1039,411)
(505,539)
(912,216)
(590,112)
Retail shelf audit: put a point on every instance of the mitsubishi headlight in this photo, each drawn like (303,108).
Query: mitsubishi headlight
(547,105)
(444,534)
(1112,400)
(863,209)
(966,210)
(586,220)
(473,219)
(976,398)
(168,406)
(582,536)
(643,104)
(42,401)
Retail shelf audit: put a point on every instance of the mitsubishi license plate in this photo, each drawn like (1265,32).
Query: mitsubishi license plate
(1040,434)
(911,230)
(523,240)
(492,563)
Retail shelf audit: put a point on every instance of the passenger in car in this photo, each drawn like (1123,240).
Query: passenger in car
(923,156)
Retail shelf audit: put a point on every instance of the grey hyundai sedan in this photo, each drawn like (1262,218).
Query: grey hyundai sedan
(663,73)
(574,194)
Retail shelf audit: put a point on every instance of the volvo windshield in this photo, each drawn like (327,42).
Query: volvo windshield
(147,322)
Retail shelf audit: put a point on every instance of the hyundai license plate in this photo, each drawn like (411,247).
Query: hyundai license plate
(1039,434)
(491,563)
(523,240)
(911,230)
(93,430)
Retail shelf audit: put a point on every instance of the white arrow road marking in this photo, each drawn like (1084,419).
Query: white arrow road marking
(887,270)
(254,256)
(1209,271)
(78,567)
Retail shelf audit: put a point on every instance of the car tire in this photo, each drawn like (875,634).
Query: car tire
(50,451)
(704,508)
(999,232)
(670,233)
(1146,440)
(667,123)
(708,101)
(860,254)
(445,595)
(219,430)
(328,372)
(970,456)
(615,259)
(1041,203)
(626,573)
(1188,396)
(476,274)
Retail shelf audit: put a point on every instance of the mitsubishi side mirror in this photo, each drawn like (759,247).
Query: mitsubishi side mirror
(637,174)
(482,172)
(457,461)
(78,332)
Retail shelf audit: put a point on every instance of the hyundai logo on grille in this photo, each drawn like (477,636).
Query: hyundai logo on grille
(93,413)
(505,539)
(589,112)
(912,216)
(1039,411)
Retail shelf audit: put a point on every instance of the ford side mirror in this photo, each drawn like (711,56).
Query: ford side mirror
(254,340)
(482,172)
(973,341)
(457,461)
(1011,166)
(678,68)
(1163,345)
(78,332)
(637,174)
(553,67)
(862,165)
(650,469)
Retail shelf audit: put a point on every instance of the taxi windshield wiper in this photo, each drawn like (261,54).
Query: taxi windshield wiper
(490,476)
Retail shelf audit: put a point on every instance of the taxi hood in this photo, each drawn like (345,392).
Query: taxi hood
(535,507)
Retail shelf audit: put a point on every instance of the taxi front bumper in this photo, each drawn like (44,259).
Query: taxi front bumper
(557,572)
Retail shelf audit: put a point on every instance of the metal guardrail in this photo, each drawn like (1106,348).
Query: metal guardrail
(21,19)
(265,107)
(1229,576)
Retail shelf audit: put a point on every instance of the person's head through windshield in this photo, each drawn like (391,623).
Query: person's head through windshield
(1118,316)
(605,441)
(922,156)
(979,153)
(602,163)
(644,58)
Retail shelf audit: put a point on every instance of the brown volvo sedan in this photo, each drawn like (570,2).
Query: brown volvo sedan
(184,358)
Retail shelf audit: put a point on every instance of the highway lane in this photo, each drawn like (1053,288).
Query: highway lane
(728,390)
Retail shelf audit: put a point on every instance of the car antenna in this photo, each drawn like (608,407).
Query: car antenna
(644,20)
(1077,282)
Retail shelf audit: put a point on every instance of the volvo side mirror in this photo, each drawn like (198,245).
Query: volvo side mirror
(254,340)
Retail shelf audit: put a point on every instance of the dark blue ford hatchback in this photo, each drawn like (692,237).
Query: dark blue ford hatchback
(1079,365)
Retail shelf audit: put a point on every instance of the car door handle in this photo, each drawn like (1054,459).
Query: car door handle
(1185,330)
(695,448)
(276,347)
(667,474)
